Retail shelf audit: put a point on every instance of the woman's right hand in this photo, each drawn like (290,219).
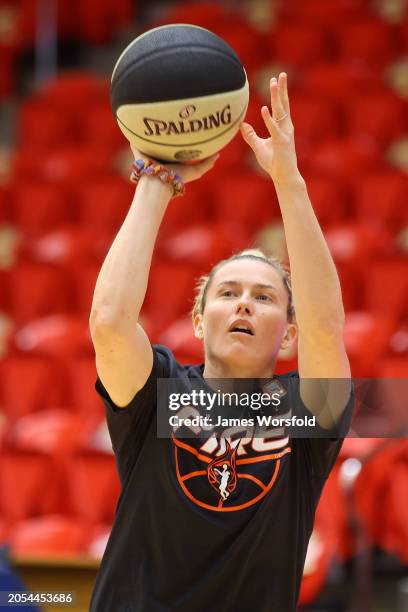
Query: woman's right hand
(187,172)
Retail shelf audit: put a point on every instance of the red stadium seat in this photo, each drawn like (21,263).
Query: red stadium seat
(54,432)
(344,158)
(253,117)
(67,247)
(179,337)
(203,245)
(4,291)
(193,208)
(381,115)
(325,543)
(299,43)
(50,536)
(170,291)
(99,20)
(7,70)
(395,367)
(381,197)
(103,204)
(350,285)
(358,244)
(245,200)
(56,129)
(5,532)
(67,165)
(5,206)
(47,287)
(333,79)
(382,500)
(366,338)
(73,91)
(29,484)
(404,35)
(386,287)
(29,384)
(360,448)
(234,153)
(99,540)
(55,336)
(93,486)
(98,128)
(329,198)
(332,14)
(210,15)
(368,39)
(81,377)
(397,538)
(26,26)
(250,45)
(83,280)
(39,207)
(226,23)
(315,117)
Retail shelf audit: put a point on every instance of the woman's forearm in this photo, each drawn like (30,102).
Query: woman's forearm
(121,285)
(315,283)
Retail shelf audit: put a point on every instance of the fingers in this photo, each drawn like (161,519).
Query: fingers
(136,153)
(271,125)
(283,88)
(191,172)
(249,135)
(208,163)
(276,103)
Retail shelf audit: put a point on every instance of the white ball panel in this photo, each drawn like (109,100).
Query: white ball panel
(192,128)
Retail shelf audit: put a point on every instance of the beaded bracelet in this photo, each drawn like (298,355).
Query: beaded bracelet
(153,168)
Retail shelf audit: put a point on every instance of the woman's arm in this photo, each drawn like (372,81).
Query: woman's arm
(122,281)
(315,283)
(123,352)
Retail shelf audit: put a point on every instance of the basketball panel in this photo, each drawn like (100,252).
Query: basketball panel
(205,124)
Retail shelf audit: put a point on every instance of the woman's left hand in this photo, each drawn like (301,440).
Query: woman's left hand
(276,154)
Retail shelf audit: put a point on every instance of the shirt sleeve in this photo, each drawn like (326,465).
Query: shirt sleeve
(321,448)
(128,426)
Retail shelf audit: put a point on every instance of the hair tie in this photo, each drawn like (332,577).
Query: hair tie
(151,167)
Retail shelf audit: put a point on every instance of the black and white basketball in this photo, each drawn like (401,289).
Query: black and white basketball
(179,93)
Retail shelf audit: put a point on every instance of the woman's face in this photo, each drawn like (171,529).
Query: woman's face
(244,324)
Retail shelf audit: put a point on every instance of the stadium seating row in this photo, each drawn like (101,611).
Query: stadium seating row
(375,196)
(318,116)
(82,493)
(55,290)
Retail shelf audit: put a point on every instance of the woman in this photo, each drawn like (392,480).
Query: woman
(209,522)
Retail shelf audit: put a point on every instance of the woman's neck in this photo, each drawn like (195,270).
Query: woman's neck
(217,369)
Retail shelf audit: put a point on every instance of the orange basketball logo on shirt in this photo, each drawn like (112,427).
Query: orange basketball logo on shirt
(221,472)
(227,483)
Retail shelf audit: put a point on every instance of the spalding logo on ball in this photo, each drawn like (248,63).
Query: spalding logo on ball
(179,93)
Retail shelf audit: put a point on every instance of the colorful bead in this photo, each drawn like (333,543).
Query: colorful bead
(153,168)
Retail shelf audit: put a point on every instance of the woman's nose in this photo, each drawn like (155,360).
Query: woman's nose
(244,305)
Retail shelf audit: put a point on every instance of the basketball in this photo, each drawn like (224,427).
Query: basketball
(179,93)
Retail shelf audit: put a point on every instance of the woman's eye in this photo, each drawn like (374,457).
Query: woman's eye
(226,293)
(263,297)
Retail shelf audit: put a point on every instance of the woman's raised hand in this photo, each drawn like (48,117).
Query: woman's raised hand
(187,172)
(276,154)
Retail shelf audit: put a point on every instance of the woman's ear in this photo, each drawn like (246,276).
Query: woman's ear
(198,326)
(289,337)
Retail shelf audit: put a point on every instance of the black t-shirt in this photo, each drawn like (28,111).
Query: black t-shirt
(176,544)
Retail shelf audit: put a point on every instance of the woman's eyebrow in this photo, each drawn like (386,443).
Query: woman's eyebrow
(228,282)
(256,286)
(263,286)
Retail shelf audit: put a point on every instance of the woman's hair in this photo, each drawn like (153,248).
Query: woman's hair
(255,254)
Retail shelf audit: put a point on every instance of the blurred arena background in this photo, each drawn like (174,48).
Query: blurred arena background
(64,192)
